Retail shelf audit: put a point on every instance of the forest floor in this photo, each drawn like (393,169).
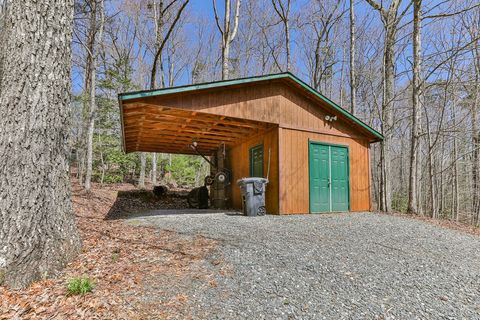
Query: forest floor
(444,223)
(138,272)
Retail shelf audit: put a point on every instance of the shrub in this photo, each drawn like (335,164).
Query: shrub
(79,285)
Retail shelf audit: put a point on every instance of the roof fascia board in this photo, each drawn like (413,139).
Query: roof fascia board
(209,85)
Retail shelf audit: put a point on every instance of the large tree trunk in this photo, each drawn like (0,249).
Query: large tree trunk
(387,117)
(90,87)
(38,234)
(390,20)
(91,126)
(476,135)
(414,150)
(476,152)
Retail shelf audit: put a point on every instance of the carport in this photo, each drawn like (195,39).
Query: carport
(151,128)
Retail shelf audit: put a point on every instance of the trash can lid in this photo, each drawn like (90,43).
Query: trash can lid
(252,180)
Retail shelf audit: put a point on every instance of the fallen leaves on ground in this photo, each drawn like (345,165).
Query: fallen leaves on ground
(123,260)
(449,224)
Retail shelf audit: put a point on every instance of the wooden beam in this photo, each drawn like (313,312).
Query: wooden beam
(219,131)
(153,125)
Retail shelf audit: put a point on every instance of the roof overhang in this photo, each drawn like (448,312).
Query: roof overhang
(288,78)
(151,128)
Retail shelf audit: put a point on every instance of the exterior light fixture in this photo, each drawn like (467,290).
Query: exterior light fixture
(330,118)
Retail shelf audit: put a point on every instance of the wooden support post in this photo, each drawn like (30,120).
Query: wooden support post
(218,193)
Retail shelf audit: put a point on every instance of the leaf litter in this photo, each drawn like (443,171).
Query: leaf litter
(139,272)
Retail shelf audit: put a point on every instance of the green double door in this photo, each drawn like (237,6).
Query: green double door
(329,178)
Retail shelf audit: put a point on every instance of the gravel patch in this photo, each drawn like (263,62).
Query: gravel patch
(332,266)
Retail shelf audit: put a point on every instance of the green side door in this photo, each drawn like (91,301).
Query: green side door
(256,161)
(319,178)
(339,178)
(329,178)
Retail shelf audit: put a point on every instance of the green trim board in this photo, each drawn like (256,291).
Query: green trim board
(256,161)
(123,97)
(329,177)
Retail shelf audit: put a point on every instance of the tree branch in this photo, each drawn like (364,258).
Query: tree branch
(162,45)
(216,17)
(235,23)
(376,6)
(445,15)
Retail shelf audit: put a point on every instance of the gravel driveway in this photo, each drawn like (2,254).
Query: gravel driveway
(335,266)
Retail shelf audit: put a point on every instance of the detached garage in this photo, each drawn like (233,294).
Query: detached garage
(315,154)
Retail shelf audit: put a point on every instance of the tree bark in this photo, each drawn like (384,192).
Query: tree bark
(476,145)
(143,164)
(92,65)
(154,168)
(353,86)
(387,116)
(431,177)
(455,197)
(390,20)
(38,234)
(228,34)
(414,150)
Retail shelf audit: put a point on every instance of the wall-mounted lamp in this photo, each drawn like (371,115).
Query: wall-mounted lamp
(331,118)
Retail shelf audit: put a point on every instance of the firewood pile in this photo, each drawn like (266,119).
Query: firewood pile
(131,202)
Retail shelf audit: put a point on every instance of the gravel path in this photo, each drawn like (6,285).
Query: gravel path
(335,266)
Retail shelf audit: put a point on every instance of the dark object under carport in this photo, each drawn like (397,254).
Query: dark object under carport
(253,196)
(198,198)
(160,191)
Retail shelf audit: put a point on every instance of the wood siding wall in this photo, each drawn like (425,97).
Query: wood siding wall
(294,170)
(273,102)
(239,162)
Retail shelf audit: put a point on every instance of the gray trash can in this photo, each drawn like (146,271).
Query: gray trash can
(253,195)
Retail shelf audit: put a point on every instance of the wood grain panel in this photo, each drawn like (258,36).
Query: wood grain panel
(294,170)
(273,102)
(240,165)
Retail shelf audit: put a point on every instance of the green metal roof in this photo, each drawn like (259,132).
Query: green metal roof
(217,84)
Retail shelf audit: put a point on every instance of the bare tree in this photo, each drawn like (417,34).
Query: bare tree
(391,18)
(353,89)
(228,32)
(92,50)
(474,34)
(161,11)
(38,234)
(283,12)
(320,33)
(414,143)
(160,39)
